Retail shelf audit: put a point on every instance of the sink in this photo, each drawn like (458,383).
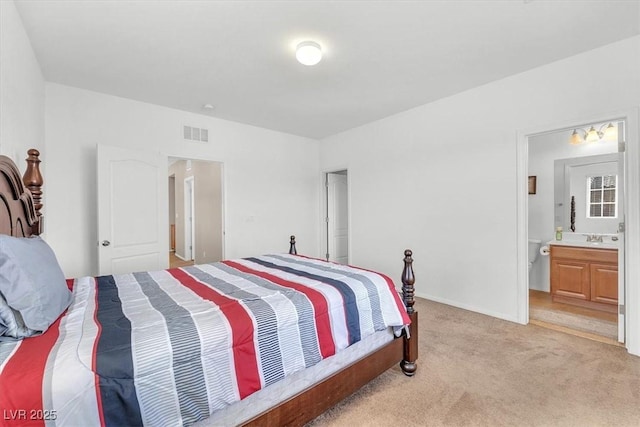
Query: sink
(603,241)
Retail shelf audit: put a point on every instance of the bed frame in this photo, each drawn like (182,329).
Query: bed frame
(20,216)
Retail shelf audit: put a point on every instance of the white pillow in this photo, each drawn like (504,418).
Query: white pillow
(31,283)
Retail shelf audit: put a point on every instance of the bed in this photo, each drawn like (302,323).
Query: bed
(159,348)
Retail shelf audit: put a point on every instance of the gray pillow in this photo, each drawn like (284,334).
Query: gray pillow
(12,326)
(31,283)
(3,327)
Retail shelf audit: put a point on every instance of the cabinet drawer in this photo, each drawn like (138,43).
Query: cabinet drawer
(585,254)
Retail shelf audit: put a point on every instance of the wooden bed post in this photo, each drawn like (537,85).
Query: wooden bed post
(408,363)
(33,181)
(292,246)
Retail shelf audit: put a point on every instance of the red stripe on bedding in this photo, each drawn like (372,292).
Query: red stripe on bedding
(321,310)
(392,287)
(244,352)
(94,355)
(22,377)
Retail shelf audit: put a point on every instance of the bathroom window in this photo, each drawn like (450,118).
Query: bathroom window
(602,193)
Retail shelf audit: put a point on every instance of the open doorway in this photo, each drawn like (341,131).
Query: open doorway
(195,211)
(575,216)
(337,216)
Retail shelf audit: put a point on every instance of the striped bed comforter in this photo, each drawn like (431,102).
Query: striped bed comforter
(171,347)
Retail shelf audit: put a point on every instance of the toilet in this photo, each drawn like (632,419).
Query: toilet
(534,248)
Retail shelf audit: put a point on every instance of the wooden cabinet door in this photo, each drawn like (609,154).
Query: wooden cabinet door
(570,279)
(604,283)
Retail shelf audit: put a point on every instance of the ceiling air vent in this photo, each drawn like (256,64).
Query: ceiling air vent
(195,134)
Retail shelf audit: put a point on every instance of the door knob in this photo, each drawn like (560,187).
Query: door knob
(106,243)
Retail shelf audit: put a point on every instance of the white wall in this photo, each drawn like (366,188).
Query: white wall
(442,178)
(544,149)
(271,178)
(21,89)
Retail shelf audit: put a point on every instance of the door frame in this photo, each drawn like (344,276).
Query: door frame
(223,189)
(631,217)
(323,241)
(189,217)
(332,246)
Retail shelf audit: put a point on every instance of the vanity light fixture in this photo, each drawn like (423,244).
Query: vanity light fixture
(308,53)
(606,132)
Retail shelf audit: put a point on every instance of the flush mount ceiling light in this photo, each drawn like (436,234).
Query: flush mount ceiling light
(607,132)
(308,53)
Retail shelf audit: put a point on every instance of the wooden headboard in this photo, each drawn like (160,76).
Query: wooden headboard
(21,198)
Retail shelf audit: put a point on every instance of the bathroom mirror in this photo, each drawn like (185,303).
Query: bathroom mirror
(597,193)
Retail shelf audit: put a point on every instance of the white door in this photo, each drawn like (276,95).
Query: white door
(189,213)
(132,210)
(337,218)
(621,244)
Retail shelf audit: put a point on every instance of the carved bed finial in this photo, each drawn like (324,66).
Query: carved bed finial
(408,279)
(292,246)
(33,181)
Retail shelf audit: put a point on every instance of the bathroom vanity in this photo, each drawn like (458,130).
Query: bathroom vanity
(584,275)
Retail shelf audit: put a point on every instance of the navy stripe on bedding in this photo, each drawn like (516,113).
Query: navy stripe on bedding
(114,363)
(348,296)
(372,291)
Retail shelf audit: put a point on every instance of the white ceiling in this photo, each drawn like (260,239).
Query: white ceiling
(381,57)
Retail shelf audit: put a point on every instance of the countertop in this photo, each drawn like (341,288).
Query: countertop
(607,243)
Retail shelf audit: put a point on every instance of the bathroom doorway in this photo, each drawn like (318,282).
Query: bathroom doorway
(565,230)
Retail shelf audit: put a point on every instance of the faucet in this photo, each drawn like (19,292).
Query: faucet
(594,238)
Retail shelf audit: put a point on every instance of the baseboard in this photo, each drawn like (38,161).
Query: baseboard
(468,307)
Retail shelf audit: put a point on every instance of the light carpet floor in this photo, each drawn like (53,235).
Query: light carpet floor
(475,370)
